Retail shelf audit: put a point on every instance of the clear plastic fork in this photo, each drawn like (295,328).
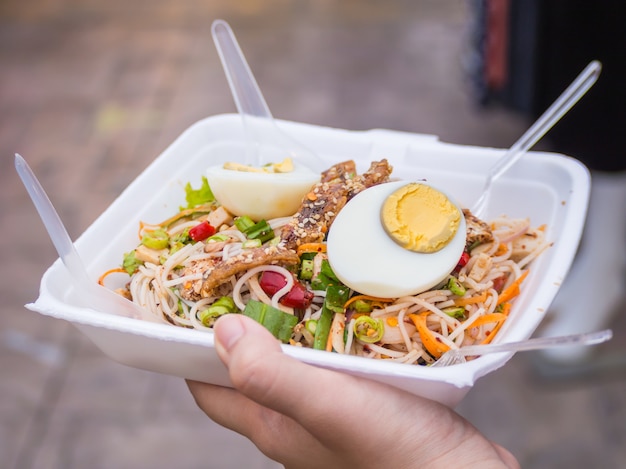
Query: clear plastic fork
(548,119)
(90,293)
(455,356)
(266,142)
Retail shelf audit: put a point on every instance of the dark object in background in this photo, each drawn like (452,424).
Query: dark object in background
(531,50)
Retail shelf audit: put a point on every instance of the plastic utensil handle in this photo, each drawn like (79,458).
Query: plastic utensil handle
(51,220)
(590,338)
(91,294)
(246,91)
(551,116)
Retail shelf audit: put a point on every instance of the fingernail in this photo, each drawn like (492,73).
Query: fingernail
(228,330)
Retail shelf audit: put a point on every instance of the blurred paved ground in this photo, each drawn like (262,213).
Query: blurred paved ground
(91,92)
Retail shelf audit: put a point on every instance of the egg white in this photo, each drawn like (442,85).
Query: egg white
(261,195)
(365,258)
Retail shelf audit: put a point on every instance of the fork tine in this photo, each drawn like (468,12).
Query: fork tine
(451,357)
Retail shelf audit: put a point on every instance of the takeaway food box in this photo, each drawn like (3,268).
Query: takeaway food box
(548,188)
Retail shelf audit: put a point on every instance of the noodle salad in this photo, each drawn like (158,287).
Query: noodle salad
(204,262)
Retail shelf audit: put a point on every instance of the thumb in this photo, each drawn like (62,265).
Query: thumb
(316,398)
(261,371)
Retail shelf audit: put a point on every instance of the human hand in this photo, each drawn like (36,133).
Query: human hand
(308,417)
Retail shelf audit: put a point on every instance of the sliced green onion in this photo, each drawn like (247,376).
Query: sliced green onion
(244,223)
(362,306)
(182,237)
(322,328)
(325,277)
(306,269)
(336,297)
(225,305)
(311,325)
(157,239)
(179,241)
(328,271)
(261,230)
(130,263)
(252,243)
(275,241)
(217,238)
(456,287)
(368,329)
(308,255)
(455,312)
(180,311)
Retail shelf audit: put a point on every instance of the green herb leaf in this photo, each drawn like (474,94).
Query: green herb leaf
(199,196)
(279,323)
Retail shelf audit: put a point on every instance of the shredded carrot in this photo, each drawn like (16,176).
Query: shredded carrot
(366,298)
(471,300)
(512,290)
(109,272)
(492,334)
(432,345)
(496,329)
(487,319)
(311,247)
(329,343)
(498,318)
(506,308)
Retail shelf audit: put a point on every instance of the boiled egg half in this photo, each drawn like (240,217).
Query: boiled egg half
(270,191)
(396,239)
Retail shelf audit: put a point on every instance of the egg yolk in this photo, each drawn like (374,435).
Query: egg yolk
(285,166)
(420,218)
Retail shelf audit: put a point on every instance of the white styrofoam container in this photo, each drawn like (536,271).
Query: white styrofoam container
(548,188)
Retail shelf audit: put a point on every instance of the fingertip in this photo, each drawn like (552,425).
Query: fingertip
(230,329)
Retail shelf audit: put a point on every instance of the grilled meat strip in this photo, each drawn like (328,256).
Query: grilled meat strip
(318,210)
(322,204)
(250,258)
(478,232)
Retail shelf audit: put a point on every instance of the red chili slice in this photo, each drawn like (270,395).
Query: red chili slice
(201,231)
(465,257)
(298,297)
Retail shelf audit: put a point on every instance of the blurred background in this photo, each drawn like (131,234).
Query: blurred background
(91,92)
